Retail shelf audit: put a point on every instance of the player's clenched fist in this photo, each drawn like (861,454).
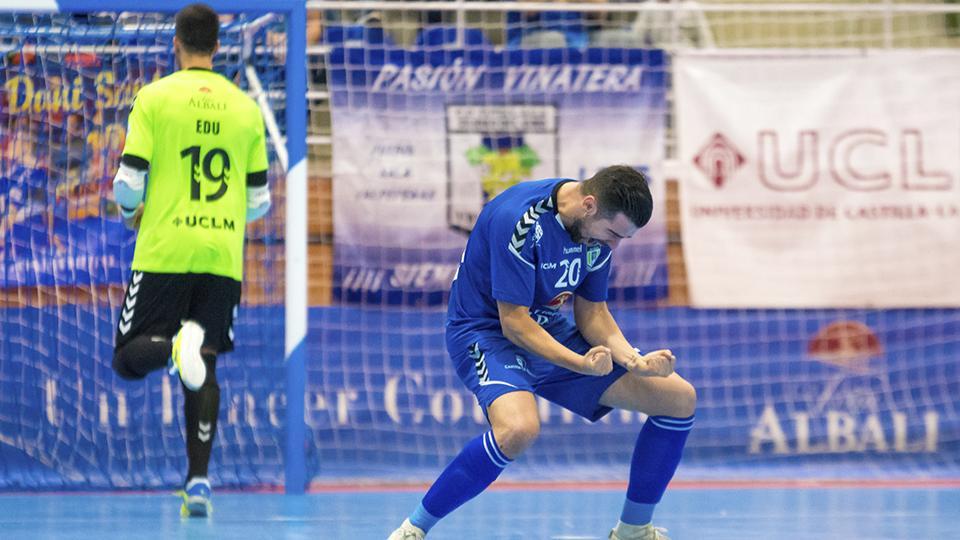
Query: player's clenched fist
(657,363)
(597,361)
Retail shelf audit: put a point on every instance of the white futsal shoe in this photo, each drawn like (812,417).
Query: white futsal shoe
(185,357)
(407,531)
(196,498)
(641,532)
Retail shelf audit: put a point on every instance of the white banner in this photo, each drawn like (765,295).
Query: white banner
(825,180)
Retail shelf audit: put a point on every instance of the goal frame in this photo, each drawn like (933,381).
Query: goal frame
(295,218)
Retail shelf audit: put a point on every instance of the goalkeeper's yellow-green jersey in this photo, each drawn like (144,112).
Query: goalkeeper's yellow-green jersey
(202,136)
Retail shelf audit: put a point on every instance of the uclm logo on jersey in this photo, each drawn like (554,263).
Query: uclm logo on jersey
(719,159)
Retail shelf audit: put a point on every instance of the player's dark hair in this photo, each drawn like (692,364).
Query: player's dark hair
(620,188)
(197,28)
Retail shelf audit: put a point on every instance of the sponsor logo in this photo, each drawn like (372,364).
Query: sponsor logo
(719,159)
(204,103)
(846,344)
(25,94)
(521,365)
(852,410)
(205,222)
(527,79)
(575,249)
(559,300)
(794,162)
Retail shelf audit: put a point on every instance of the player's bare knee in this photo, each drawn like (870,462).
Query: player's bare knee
(686,400)
(516,434)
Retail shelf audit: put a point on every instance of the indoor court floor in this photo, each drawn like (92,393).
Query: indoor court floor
(689,512)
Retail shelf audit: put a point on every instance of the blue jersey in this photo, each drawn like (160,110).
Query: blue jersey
(519,252)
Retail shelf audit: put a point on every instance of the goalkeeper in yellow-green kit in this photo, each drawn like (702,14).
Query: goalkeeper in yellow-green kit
(192,174)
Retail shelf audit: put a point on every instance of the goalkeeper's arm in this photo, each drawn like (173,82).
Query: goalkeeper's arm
(258,195)
(128,188)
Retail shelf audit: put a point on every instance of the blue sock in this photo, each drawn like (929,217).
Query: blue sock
(655,459)
(479,463)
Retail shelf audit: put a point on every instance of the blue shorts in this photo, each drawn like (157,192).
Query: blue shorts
(491,366)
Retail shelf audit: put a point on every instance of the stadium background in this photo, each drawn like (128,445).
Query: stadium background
(853,389)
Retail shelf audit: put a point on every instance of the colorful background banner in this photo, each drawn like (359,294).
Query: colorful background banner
(837,393)
(66,120)
(422,139)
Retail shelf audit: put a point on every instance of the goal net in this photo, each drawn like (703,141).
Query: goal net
(434,112)
(418,117)
(66,420)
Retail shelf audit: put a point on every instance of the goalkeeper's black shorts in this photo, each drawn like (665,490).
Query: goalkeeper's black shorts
(156,304)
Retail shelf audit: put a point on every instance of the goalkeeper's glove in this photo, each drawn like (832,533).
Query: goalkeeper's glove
(128,188)
(258,202)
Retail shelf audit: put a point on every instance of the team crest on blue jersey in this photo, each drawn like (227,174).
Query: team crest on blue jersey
(537,233)
(593,252)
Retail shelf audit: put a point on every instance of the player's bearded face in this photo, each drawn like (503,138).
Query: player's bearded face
(576,231)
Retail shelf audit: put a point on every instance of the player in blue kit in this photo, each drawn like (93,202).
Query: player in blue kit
(535,246)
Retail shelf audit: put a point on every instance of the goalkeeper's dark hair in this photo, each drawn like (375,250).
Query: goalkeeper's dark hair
(197,28)
(620,188)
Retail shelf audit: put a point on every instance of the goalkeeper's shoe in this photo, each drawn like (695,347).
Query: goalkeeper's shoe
(185,357)
(642,532)
(408,531)
(196,498)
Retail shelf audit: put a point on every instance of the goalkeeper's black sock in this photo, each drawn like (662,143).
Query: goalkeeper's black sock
(141,355)
(201,409)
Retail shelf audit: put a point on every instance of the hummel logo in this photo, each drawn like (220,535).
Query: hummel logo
(204,432)
(479,360)
(527,220)
(126,320)
(129,302)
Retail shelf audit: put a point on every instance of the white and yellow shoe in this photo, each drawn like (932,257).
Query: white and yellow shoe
(637,532)
(407,531)
(186,358)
